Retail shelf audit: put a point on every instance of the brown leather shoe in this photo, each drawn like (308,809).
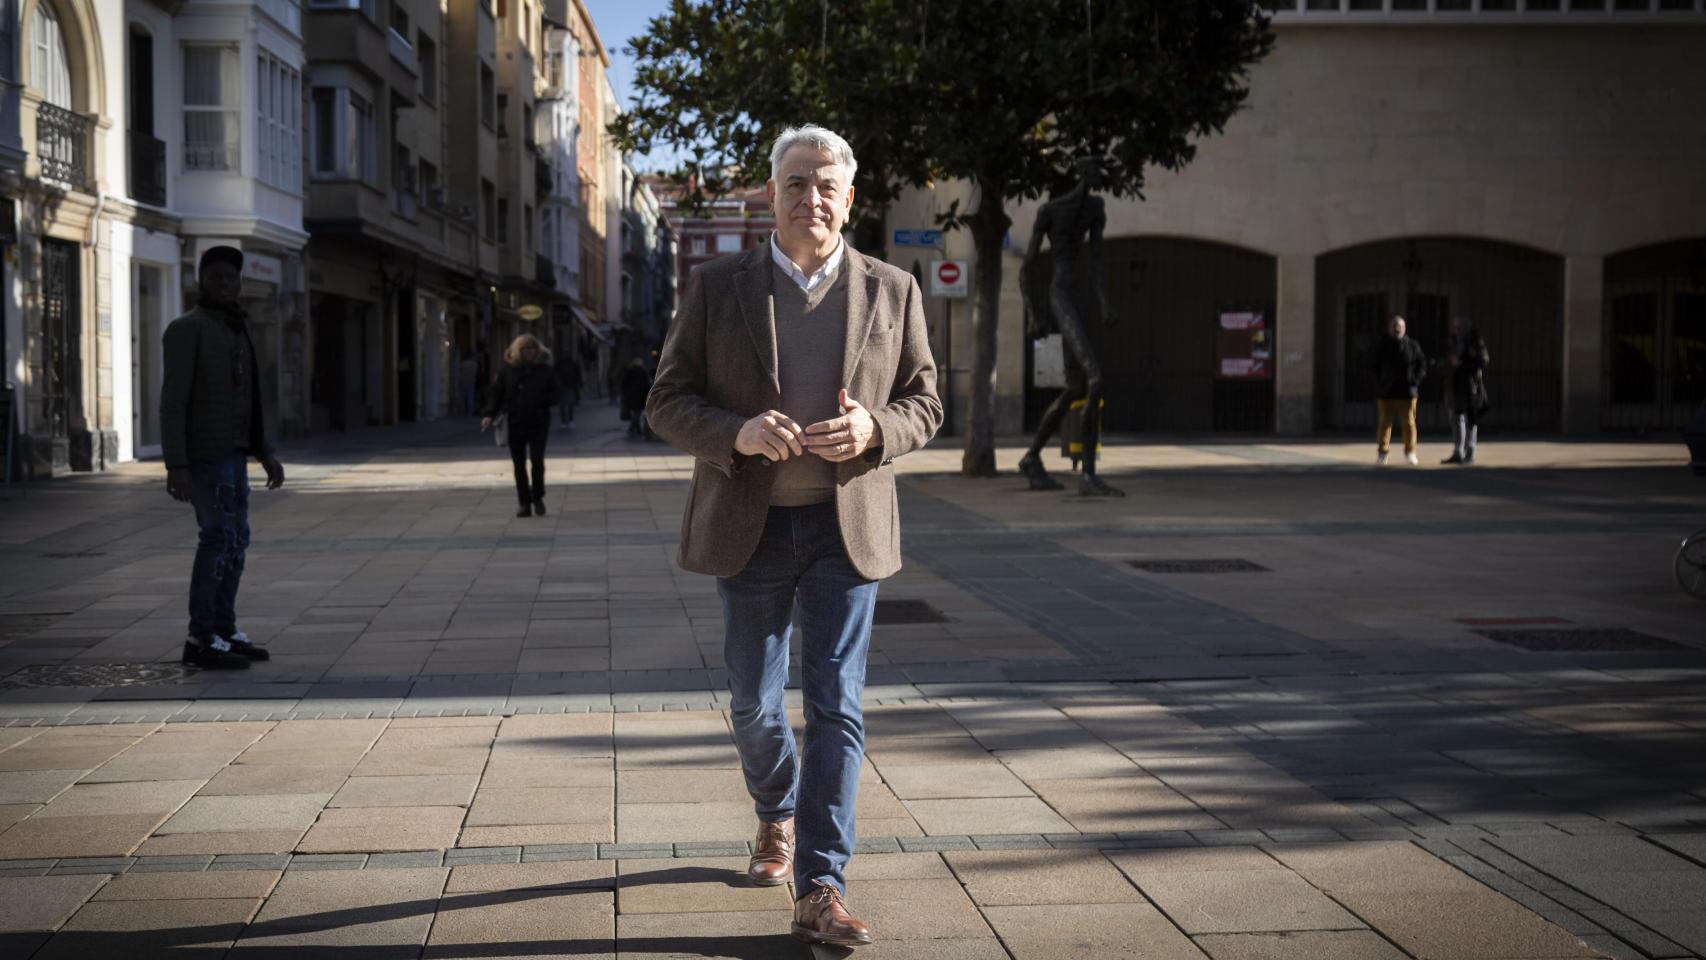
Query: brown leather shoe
(821,917)
(772,854)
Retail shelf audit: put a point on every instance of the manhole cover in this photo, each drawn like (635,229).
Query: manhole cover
(96,675)
(907,611)
(1199,566)
(1566,641)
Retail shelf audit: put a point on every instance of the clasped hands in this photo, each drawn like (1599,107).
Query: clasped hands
(775,436)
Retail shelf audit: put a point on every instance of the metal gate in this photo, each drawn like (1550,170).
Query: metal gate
(1514,295)
(1158,358)
(1654,353)
(61,344)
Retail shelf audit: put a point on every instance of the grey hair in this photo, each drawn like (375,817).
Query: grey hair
(811,134)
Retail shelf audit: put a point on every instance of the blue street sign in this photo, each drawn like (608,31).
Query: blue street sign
(918,238)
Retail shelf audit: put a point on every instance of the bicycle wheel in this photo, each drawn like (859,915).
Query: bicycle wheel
(1691,564)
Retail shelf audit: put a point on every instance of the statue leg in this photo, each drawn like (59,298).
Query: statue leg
(1031,465)
(1077,340)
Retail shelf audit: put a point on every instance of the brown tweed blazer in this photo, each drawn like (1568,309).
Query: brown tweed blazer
(718,370)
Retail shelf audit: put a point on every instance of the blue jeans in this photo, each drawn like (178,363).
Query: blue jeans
(219,491)
(800,559)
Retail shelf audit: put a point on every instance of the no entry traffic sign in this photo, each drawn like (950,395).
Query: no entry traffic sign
(948,278)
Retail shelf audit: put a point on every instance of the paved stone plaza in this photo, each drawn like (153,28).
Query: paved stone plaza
(1430,713)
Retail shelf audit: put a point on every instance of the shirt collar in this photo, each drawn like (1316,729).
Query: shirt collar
(799,276)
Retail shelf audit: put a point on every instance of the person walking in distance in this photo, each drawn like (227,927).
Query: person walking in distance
(794,374)
(211,423)
(1468,398)
(569,382)
(524,393)
(1399,364)
(636,382)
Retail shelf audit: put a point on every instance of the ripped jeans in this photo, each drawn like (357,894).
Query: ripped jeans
(219,490)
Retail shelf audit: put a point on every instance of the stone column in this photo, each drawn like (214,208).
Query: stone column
(1584,321)
(1294,326)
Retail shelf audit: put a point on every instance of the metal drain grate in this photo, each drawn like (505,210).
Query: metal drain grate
(95,675)
(1590,640)
(77,555)
(1229,565)
(894,612)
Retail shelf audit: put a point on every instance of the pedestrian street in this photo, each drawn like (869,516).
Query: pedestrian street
(1274,703)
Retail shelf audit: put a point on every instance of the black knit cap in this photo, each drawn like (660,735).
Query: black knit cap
(230,255)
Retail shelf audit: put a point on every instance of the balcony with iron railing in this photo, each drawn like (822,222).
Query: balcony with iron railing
(544,271)
(64,146)
(147,168)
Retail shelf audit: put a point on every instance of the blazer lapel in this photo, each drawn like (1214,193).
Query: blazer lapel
(752,288)
(861,293)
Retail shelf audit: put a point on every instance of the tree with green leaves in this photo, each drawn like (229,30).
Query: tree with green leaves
(1004,94)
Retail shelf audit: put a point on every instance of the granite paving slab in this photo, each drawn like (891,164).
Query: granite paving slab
(1007,877)
(150,928)
(42,903)
(1119,931)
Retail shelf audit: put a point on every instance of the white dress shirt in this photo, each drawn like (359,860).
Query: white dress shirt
(799,276)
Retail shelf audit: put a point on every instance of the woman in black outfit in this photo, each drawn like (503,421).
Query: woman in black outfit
(525,393)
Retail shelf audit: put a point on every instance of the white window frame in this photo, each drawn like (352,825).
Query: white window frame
(50,67)
(278,123)
(355,150)
(368,8)
(233,110)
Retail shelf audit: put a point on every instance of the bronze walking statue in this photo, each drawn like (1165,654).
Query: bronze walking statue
(1067,221)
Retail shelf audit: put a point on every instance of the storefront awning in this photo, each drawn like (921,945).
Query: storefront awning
(601,331)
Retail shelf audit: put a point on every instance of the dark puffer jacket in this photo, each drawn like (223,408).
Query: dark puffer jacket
(197,399)
(526,394)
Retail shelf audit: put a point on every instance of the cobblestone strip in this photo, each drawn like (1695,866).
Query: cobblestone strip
(1448,843)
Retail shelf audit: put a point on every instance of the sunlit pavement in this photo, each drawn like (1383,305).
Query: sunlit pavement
(1276,702)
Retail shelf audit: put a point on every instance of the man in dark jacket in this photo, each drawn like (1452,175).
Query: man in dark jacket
(1468,401)
(211,424)
(1399,366)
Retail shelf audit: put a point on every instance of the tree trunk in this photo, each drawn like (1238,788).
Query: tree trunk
(988,230)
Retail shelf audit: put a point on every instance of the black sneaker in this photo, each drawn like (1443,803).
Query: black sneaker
(525,511)
(213,654)
(539,508)
(241,646)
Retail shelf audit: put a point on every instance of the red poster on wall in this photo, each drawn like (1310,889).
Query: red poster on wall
(1243,350)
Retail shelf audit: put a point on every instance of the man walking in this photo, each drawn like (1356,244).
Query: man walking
(795,373)
(211,424)
(1399,366)
(1468,404)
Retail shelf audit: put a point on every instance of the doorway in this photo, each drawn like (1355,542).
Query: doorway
(147,332)
(61,349)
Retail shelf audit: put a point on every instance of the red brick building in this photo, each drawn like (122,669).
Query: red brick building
(737,222)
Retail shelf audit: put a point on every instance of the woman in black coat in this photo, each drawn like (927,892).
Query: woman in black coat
(524,394)
(1468,401)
